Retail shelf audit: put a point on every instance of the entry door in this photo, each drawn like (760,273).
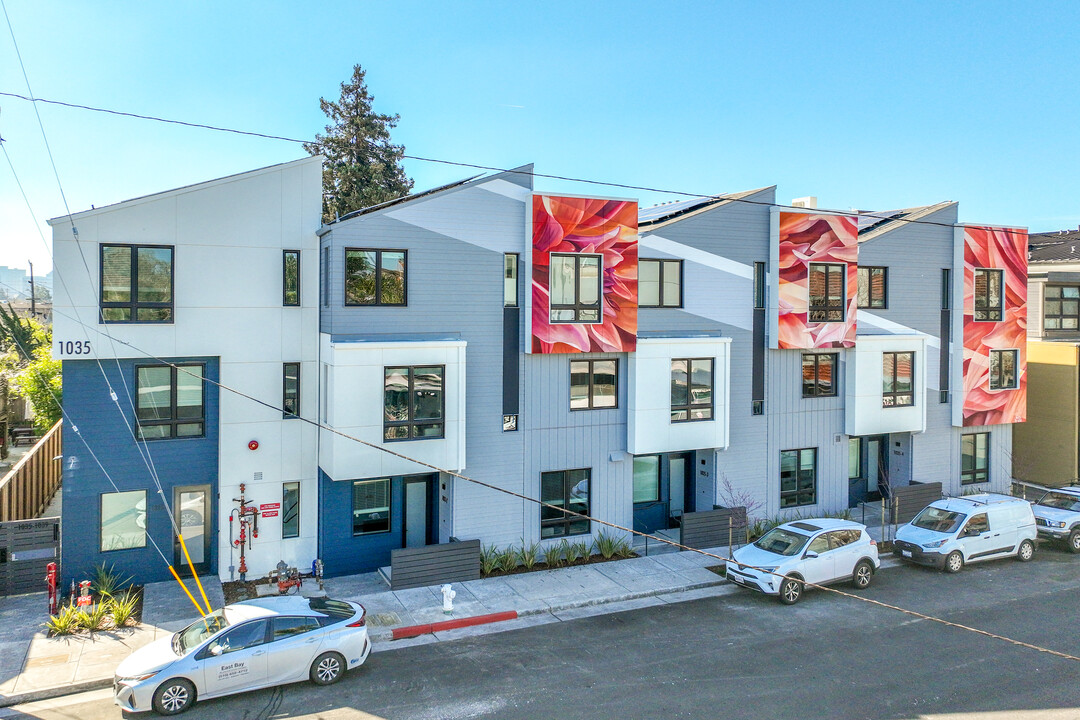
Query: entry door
(192,512)
(877,464)
(417,531)
(680,488)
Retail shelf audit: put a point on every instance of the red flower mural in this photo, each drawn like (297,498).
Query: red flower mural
(811,238)
(571,226)
(1002,324)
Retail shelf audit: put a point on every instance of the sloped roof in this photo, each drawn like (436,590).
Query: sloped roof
(1063,246)
(653,217)
(876,223)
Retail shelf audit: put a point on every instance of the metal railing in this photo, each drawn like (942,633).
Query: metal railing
(26,490)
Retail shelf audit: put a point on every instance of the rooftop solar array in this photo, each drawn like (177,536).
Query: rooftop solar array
(657,212)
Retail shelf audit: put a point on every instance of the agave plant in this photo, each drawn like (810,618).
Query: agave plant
(65,622)
(122,608)
(528,555)
(508,559)
(96,618)
(489,559)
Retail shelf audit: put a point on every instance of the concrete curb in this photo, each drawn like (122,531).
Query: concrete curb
(55,692)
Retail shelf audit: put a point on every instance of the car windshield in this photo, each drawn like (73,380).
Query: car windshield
(1060,501)
(782,541)
(191,636)
(938,520)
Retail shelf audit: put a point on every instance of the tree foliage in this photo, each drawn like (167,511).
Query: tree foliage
(363,167)
(27,365)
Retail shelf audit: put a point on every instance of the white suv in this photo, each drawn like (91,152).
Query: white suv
(782,561)
(1057,516)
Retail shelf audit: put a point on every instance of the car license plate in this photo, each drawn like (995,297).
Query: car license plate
(905,553)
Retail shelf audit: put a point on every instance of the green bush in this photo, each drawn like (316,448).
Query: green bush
(508,559)
(107,581)
(528,555)
(555,556)
(65,622)
(577,551)
(96,617)
(606,545)
(489,559)
(122,608)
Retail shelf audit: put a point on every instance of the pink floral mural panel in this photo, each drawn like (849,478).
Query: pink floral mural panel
(1000,324)
(811,238)
(595,242)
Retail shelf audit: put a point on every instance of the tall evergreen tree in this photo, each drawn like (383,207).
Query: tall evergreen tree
(362,167)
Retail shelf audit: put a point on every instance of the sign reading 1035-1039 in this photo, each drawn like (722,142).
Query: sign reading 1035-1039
(73,347)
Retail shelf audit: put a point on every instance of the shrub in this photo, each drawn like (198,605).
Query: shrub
(607,545)
(107,581)
(528,555)
(96,617)
(556,554)
(508,559)
(489,559)
(122,608)
(65,622)
(577,551)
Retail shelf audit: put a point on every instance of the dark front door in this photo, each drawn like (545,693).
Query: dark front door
(663,491)
(418,526)
(192,513)
(868,468)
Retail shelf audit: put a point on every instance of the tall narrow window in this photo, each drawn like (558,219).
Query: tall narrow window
(759,286)
(575,288)
(646,478)
(798,477)
(826,283)
(290,510)
(897,379)
(819,375)
(375,277)
(510,280)
(691,389)
(1003,369)
(988,294)
(169,401)
(371,506)
(325,289)
(593,384)
(136,284)
(974,458)
(854,458)
(413,403)
(568,489)
(946,289)
(290,277)
(660,283)
(290,390)
(873,287)
(1061,307)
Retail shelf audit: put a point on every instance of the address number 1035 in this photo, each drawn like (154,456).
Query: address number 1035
(73,347)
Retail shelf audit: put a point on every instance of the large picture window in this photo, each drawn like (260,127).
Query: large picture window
(660,283)
(290,278)
(1003,369)
(375,277)
(413,403)
(691,389)
(897,379)
(798,477)
(974,458)
(123,520)
(593,384)
(873,287)
(647,478)
(1061,307)
(136,284)
(988,294)
(567,489)
(826,282)
(371,506)
(575,288)
(169,401)
(819,375)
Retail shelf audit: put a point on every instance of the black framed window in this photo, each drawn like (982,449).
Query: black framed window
(873,287)
(371,506)
(169,401)
(136,284)
(290,278)
(1003,369)
(568,489)
(691,389)
(897,379)
(974,458)
(646,478)
(819,375)
(123,520)
(576,288)
(593,384)
(290,510)
(290,390)
(413,402)
(375,277)
(510,280)
(798,477)
(325,289)
(826,282)
(759,285)
(660,283)
(854,458)
(989,300)
(1061,307)
(946,289)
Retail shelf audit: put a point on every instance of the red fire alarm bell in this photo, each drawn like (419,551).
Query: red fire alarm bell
(253,445)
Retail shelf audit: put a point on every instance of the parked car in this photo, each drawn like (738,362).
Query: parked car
(245,646)
(950,533)
(782,561)
(1057,516)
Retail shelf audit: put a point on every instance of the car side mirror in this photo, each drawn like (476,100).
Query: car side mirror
(810,554)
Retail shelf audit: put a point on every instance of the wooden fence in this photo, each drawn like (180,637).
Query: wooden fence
(27,489)
(435,564)
(713,528)
(909,500)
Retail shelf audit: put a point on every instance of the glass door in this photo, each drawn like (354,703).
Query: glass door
(417,532)
(191,510)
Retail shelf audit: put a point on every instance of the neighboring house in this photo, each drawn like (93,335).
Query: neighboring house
(1048,447)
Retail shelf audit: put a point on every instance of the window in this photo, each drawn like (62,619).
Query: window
(826,283)
(647,478)
(840,538)
(593,384)
(691,389)
(757,407)
(510,280)
(290,277)
(988,299)
(325,289)
(798,477)
(136,284)
(819,375)
(946,289)
(759,286)
(287,627)
(371,506)
(1061,307)
(897,379)
(1003,369)
(241,637)
(123,520)
(169,401)
(873,287)
(854,458)
(567,489)
(413,403)
(659,283)
(575,288)
(819,545)
(974,462)
(290,390)
(978,524)
(290,510)
(375,277)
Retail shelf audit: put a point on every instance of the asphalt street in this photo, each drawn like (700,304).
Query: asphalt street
(740,655)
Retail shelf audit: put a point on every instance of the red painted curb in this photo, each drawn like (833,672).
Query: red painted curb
(415,630)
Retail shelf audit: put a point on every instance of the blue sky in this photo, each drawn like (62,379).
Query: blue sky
(865,105)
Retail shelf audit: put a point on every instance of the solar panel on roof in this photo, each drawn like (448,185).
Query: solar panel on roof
(805,526)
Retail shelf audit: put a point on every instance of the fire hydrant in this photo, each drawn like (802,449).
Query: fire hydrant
(448,596)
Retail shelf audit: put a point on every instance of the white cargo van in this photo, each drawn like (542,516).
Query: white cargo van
(952,532)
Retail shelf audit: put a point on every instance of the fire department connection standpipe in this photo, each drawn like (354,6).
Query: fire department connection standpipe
(248,517)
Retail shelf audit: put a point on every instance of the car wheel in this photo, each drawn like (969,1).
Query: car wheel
(327,669)
(1026,551)
(173,697)
(791,590)
(954,562)
(863,575)
(1074,541)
